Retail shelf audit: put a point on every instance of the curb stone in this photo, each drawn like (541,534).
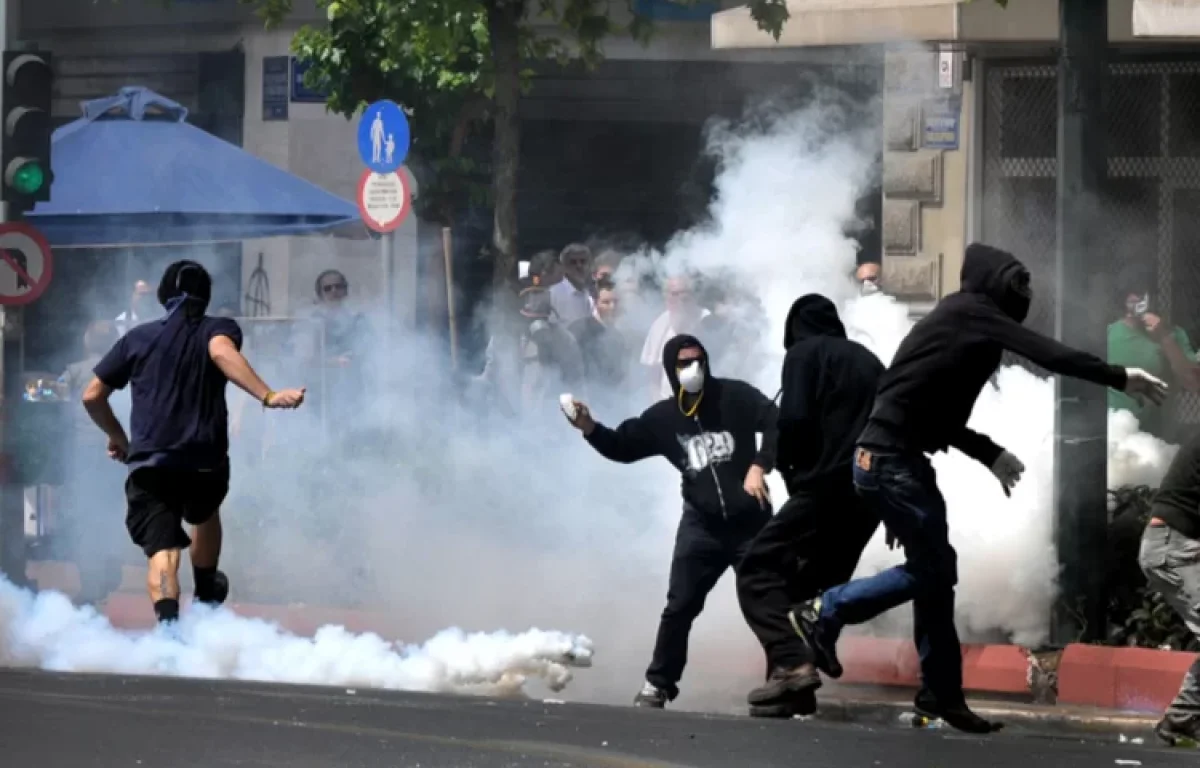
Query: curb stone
(1131,725)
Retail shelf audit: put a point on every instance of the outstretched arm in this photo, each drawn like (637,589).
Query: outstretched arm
(1052,355)
(631,441)
(226,355)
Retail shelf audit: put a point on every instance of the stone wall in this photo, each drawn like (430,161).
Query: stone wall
(926,142)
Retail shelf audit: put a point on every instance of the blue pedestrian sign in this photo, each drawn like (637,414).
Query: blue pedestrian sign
(383,137)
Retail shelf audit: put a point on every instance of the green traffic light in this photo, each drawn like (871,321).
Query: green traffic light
(29,178)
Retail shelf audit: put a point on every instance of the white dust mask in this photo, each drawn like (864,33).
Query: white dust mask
(691,378)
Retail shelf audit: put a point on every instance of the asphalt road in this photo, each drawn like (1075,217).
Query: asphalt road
(50,720)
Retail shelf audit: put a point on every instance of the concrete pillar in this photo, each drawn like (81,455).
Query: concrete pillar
(926,145)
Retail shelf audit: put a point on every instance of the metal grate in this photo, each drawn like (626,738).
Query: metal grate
(1151,201)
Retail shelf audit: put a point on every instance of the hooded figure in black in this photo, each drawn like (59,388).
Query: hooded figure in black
(818,536)
(924,401)
(707,431)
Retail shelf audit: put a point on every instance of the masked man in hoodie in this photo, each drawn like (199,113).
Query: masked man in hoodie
(817,538)
(707,431)
(922,406)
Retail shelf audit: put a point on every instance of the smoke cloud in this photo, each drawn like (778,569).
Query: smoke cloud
(446,514)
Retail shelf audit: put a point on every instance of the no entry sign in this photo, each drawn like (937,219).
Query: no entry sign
(26,264)
(384,200)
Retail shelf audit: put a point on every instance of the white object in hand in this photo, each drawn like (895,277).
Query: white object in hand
(567,403)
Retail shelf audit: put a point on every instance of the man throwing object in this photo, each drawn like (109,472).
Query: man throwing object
(924,401)
(707,431)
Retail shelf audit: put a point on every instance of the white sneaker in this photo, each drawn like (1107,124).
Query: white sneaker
(651,696)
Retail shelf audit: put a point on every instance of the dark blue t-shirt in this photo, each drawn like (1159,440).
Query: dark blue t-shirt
(178,416)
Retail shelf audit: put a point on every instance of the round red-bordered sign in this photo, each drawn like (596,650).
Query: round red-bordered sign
(26,264)
(384,199)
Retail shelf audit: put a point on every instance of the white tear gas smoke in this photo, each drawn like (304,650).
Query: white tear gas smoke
(48,632)
(444,514)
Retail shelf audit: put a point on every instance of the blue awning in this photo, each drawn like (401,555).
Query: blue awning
(131,171)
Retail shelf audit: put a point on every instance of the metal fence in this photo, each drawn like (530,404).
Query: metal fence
(1151,197)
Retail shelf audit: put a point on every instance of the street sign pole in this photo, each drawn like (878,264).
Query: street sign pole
(383,195)
(386,251)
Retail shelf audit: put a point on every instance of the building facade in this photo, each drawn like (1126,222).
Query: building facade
(971,134)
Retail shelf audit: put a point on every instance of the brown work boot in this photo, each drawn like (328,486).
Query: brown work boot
(787,692)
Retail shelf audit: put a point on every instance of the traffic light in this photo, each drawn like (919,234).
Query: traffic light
(25,154)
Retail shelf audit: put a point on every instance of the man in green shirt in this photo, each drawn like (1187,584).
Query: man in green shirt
(1142,339)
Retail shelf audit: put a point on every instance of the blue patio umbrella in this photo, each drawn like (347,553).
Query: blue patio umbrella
(131,171)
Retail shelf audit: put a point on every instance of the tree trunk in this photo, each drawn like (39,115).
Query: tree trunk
(504,19)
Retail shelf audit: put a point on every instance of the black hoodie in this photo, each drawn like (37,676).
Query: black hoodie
(713,449)
(929,390)
(829,385)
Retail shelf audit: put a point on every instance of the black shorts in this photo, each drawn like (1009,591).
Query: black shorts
(161,499)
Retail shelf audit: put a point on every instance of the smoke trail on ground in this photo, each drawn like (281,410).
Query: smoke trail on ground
(48,632)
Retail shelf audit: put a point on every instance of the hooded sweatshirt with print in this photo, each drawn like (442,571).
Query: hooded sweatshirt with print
(713,448)
(927,393)
(829,385)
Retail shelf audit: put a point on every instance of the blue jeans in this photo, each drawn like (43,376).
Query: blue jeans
(903,490)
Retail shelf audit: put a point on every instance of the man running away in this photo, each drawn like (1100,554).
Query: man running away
(1170,558)
(178,452)
(818,536)
(924,401)
(707,431)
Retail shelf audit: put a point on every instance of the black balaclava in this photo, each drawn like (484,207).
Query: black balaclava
(812,315)
(1000,276)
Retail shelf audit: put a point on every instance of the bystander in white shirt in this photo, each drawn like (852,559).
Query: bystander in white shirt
(570,303)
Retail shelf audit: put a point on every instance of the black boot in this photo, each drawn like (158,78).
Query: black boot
(957,714)
(787,692)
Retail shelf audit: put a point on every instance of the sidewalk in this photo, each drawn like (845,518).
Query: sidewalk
(884,707)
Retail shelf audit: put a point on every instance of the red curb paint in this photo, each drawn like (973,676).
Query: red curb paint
(894,662)
(1129,679)
(879,661)
(996,669)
